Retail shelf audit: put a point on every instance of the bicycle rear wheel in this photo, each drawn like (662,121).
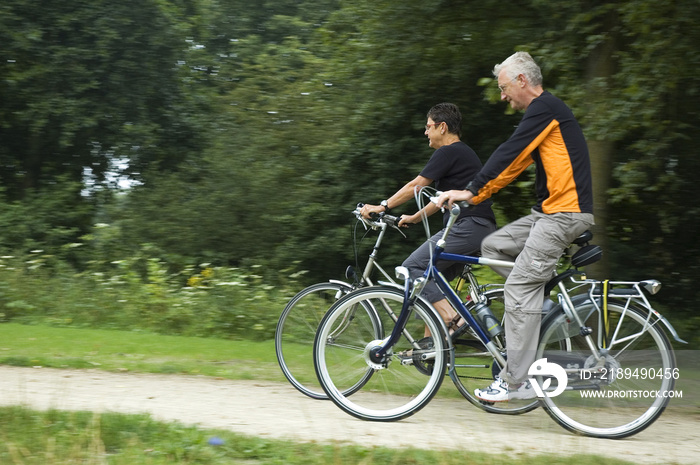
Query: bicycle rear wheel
(475,368)
(296,330)
(393,388)
(617,398)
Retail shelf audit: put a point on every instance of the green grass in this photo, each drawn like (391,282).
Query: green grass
(132,351)
(126,351)
(57,437)
(53,437)
(111,350)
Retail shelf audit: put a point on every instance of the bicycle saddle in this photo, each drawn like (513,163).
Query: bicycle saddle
(584,238)
(586,255)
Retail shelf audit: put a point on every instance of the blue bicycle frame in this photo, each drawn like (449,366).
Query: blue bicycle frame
(412,290)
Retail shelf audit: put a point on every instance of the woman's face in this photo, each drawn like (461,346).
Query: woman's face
(435,133)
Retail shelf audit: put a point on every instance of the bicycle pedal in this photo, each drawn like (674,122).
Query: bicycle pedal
(405,357)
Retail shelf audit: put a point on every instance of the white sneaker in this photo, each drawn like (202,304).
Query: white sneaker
(496,392)
(499,391)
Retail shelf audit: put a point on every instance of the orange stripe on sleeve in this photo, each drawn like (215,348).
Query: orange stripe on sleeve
(522,161)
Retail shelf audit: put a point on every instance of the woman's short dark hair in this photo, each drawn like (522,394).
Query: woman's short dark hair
(449,114)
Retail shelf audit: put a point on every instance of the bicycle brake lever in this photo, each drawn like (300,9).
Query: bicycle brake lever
(393,221)
(359,216)
(399,230)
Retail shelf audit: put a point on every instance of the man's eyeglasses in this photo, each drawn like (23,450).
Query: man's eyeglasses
(427,126)
(503,87)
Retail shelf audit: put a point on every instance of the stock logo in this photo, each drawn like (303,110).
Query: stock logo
(542,367)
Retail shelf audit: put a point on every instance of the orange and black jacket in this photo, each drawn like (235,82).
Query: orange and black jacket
(549,136)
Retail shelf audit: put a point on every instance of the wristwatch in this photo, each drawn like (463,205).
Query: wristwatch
(385,204)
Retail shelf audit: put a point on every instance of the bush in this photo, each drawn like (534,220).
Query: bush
(142,293)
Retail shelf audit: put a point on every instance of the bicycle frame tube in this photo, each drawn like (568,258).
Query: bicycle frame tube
(412,292)
(372,261)
(475,260)
(456,302)
(566,300)
(409,298)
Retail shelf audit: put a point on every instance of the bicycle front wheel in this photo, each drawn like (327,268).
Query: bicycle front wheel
(398,385)
(626,391)
(296,330)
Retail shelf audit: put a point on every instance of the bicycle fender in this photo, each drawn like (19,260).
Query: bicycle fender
(668,326)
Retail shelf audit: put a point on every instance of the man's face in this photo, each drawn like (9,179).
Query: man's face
(511,90)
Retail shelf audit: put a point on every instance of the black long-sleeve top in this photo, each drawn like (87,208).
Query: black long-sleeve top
(549,136)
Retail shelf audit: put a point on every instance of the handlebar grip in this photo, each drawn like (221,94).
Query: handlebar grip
(392,220)
(388,219)
(462,204)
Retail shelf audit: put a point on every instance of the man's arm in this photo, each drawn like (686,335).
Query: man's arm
(513,156)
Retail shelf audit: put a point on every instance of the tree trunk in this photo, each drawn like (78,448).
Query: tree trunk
(599,70)
(601,155)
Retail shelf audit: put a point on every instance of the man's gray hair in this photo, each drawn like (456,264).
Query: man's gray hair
(520,63)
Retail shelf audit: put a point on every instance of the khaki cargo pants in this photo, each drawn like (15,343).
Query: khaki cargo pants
(535,242)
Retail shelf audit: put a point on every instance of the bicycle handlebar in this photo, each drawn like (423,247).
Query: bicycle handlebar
(377,219)
(461,204)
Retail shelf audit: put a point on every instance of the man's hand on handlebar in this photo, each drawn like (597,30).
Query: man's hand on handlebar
(448,198)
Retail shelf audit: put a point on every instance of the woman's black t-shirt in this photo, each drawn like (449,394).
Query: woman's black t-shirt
(453,167)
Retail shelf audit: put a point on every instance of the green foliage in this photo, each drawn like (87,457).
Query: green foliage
(254,131)
(42,222)
(86,83)
(141,293)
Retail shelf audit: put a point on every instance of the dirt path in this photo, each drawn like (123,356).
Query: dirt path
(277,411)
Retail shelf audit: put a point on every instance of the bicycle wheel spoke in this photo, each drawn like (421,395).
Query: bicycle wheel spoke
(475,367)
(387,388)
(616,396)
(296,331)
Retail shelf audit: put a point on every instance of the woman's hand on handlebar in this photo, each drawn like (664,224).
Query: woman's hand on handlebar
(368,209)
(448,198)
(406,220)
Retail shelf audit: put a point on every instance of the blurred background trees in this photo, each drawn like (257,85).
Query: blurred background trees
(213,132)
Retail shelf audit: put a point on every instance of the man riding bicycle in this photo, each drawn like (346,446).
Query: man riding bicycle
(550,137)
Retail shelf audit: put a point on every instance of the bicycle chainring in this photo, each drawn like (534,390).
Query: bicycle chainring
(424,366)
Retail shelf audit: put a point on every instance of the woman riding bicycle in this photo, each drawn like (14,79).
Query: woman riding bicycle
(452,166)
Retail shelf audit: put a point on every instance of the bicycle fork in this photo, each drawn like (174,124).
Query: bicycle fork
(378,354)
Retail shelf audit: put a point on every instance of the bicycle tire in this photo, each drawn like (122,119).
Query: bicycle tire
(296,331)
(605,404)
(402,385)
(475,367)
